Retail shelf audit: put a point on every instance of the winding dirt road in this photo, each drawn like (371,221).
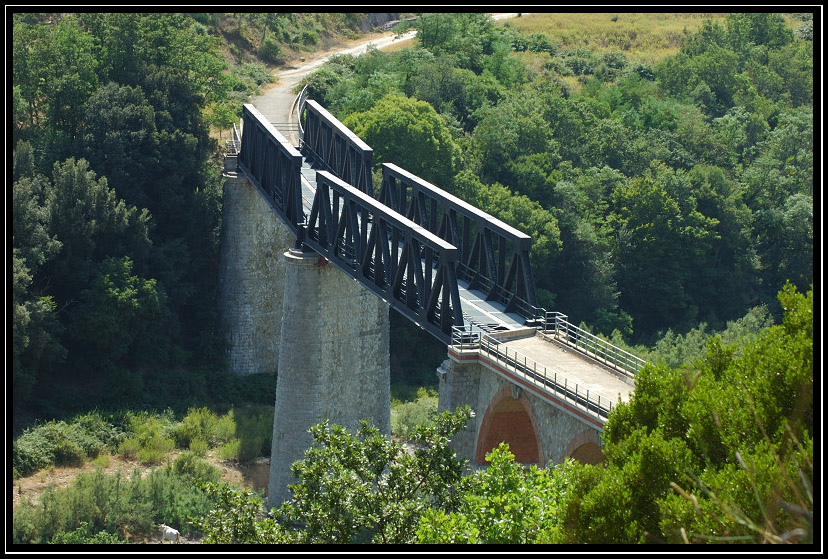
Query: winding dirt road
(276,101)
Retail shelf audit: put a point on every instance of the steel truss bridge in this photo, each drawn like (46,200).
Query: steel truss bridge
(454,270)
(439,261)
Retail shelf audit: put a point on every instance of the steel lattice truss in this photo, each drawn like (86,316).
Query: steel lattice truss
(335,148)
(273,165)
(407,266)
(410,247)
(493,258)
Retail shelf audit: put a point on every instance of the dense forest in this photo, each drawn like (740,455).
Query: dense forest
(658,196)
(668,199)
(117,201)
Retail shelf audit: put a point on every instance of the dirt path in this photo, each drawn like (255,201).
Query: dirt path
(275,100)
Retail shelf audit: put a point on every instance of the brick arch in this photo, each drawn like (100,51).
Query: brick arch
(585,447)
(511,419)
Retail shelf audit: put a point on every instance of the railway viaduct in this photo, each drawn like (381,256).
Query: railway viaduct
(313,259)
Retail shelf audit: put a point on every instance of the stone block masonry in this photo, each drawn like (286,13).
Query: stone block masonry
(494,400)
(334,363)
(251,275)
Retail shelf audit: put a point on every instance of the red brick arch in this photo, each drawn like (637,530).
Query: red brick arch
(585,448)
(510,420)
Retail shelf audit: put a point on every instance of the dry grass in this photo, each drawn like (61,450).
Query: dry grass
(643,37)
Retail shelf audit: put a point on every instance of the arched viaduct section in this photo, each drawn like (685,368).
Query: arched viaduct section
(537,431)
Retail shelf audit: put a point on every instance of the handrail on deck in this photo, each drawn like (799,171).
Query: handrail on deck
(546,379)
(592,345)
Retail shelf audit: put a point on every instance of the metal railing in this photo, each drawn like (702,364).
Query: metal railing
(233,145)
(546,379)
(590,344)
(296,112)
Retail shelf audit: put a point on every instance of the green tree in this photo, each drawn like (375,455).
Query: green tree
(468,36)
(779,191)
(586,283)
(515,127)
(720,450)
(120,321)
(351,488)
(747,30)
(91,222)
(54,67)
(660,238)
(411,134)
(502,504)
(119,140)
(449,89)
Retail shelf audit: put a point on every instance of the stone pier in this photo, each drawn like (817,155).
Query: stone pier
(334,363)
(251,272)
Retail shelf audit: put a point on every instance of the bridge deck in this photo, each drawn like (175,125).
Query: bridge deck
(574,366)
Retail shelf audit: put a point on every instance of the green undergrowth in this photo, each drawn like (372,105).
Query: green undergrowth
(242,434)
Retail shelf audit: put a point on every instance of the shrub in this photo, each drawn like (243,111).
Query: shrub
(63,444)
(83,535)
(254,429)
(69,453)
(406,417)
(31,452)
(309,37)
(100,429)
(229,450)
(190,464)
(129,448)
(107,503)
(199,447)
(148,443)
(226,427)
(199,423)
(270,51)
(154,450)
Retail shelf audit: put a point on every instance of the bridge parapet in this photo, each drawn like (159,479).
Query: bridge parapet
(331,145)
(410,268)
(272,164)
(494,257)
(547,382)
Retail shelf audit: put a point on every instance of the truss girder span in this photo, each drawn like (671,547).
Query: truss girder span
(410,268)
(493,256)
(335,148)
(273,165)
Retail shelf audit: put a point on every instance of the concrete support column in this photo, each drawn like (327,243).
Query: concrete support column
(251,271)
(333,364)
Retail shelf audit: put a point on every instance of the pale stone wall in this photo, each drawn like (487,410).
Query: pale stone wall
(338,367)
(251,275)
(471,383)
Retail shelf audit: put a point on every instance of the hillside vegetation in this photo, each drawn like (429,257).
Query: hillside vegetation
(664,174)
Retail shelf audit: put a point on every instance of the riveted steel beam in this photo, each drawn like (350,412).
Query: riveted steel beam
(409,267)
(494,257)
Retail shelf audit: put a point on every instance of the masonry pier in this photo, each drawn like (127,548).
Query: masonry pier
(251,275)
(338,366)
